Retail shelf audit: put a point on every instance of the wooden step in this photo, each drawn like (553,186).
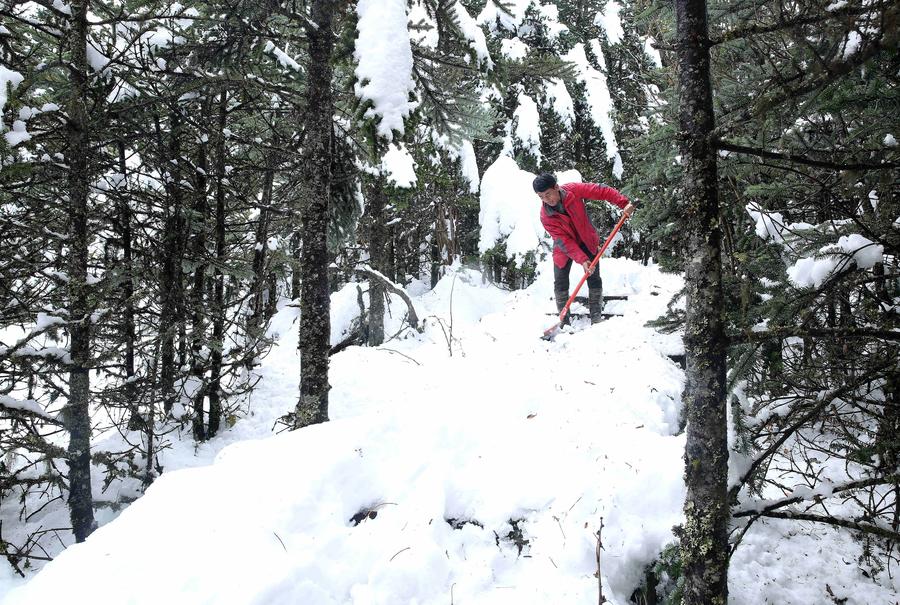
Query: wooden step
(584,299)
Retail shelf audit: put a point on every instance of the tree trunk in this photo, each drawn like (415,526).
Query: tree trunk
(704,542)
(295,263)
(435,264)
(315,312)
(258,303)
(376,256)
(171,267)
(128,328)
(215,378)
(198,312)
(390,257)
(77,410)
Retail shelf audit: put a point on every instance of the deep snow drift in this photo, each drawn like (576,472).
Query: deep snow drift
(480,458)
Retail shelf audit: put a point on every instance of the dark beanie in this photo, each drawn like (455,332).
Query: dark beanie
(543,182)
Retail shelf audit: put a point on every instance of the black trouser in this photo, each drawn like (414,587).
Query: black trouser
(561,275)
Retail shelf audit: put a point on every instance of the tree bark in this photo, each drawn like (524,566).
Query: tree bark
(315,312)
(259,252)
(215,378)
(376,256)
(295,263)
(198,309)
(128,318)
(77,410)
(171,267)
(704,541)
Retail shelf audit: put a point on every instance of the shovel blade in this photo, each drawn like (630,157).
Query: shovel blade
(550,332)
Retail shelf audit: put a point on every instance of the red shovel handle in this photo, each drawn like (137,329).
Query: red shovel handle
(565,310)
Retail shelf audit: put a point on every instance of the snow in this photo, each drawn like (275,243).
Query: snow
(550,14)
(651,52)
(889,140)
(473,33)
(399,166)
(817,562)
(597,49)
(555,450)
(419,16)
(160,38)
(814,271)
(8,79)
(473,424)
(866,253)
(45,320)
(469,165)
(18,134)
(852,44)
(178,9)
(384,63)
(509,209)
(491,15)
(610,21)
(562,103)
(768,224)
(600,103)
(284,59)
(62,7)
(26,405)
(97,60)
(527,125)
(513,49)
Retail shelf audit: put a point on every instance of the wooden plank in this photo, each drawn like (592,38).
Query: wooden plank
(584,299)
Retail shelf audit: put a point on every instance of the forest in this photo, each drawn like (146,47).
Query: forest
(170,174)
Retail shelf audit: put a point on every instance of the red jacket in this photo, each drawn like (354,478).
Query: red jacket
(574,227)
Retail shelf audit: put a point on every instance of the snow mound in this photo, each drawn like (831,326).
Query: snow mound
(471,459)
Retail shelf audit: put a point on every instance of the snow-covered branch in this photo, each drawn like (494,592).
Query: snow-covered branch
(26,406)
(804,494)
(412,316)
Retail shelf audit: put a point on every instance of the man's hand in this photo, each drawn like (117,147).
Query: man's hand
(627,210)
(586,265)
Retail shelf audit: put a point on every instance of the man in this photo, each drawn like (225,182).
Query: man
(574,238)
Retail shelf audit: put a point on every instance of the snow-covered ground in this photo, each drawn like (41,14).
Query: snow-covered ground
(480,459)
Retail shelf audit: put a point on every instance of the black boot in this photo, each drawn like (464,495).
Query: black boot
(595,304)
(562,296)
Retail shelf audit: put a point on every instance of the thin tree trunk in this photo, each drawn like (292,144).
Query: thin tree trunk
(704,542)
(128,327)
(391,257)
(259,252)
(198,313)
(215,379)
(77,410)
(315,312)
(376,256)
(171,267)
(295,267)
(435,264)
